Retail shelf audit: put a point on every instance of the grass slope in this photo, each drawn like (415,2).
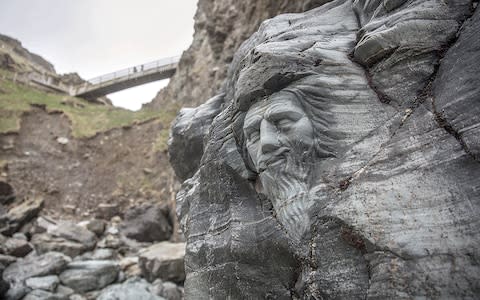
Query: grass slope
(87,118)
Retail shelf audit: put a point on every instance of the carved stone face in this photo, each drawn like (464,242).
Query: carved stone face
(276,127)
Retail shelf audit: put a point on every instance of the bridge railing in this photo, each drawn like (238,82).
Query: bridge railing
(132,71)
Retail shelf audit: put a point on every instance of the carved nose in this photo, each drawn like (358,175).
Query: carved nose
(268,137)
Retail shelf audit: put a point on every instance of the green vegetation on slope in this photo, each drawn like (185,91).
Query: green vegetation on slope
(87,118)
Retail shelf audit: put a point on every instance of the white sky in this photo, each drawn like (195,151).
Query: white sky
(94,37)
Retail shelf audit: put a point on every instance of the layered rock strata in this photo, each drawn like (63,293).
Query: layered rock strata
(343,162)
(220,28)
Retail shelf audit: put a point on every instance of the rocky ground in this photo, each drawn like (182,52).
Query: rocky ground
(86,194)
(99,258)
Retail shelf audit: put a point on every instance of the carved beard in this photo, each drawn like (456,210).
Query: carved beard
(287,186)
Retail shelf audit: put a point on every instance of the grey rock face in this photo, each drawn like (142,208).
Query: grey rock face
(188,131)
(133,288)
(148,223)
(34,266)
(85,276)
(203,67)
(456,90)
(335,169)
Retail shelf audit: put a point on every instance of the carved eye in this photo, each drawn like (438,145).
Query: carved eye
(284,124)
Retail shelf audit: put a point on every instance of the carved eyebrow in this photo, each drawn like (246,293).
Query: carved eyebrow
(279,112)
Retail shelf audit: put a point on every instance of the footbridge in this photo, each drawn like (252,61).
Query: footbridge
(126,78)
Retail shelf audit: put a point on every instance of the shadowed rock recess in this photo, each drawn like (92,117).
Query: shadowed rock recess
(341,160)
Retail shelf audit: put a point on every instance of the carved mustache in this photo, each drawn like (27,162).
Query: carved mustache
(270,158)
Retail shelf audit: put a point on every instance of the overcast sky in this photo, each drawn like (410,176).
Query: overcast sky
(94,37)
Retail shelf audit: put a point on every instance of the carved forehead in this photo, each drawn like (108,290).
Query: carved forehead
(279,105)
(283,104)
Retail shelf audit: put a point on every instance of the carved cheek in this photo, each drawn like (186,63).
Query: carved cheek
(299,133)
(253,150)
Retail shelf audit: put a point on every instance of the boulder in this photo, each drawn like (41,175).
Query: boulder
(7,260)
(110,241)
(42,225)
(98,254)
(77,297)
(134,288)
(148,223)
(7,194)
(4,286)
(164,260)
(44,295)
(17,291)
(106,211)
(19,215)
(85,276)
(96,226)
(18,247)
(74,232)
(46,283)
(171,291)
(64,290)
(34,266)
(45,243)
(65,237)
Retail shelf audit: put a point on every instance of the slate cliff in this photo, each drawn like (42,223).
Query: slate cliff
(220,28)
(340,159)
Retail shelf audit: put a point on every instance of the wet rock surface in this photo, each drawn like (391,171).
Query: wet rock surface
(341,165)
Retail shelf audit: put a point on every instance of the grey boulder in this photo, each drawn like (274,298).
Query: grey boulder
(18,247)
(44,295)
(46,283)
(85,276)
(164,260)
(65,237)
(133,288)
(33,266)
(148,223)
(186,136)
(20,215)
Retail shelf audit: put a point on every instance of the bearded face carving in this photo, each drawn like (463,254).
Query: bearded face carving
(276,128)
(280,142)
